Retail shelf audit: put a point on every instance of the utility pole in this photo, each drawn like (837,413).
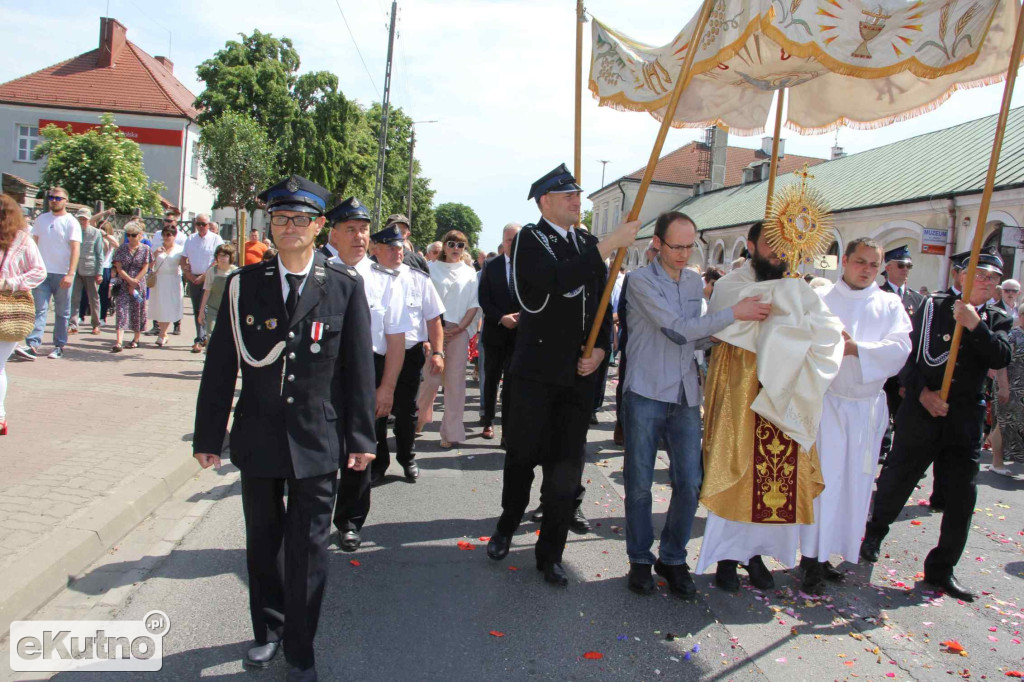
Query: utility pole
(412,158)
(603,164)
(386,108)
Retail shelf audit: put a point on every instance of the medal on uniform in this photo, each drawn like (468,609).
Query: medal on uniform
(249,319)
(316,333)
(271,323)
(946,337)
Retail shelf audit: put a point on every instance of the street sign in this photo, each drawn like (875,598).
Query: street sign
(933,241)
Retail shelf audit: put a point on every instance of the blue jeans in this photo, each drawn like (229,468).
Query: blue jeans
(645,423)
(61,310)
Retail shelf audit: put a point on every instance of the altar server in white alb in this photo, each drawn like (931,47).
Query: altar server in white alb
(855,415)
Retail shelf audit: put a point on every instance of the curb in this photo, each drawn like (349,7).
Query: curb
(51,564)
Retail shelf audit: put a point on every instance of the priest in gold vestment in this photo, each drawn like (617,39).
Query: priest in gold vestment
(763,401)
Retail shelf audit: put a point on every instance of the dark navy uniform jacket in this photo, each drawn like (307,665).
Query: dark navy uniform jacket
(301,415)
(912,300)
(985,348)
(563,286)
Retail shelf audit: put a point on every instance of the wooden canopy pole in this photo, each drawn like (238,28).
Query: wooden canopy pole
(773,169)
(683,79)
(986,198)
(578,151)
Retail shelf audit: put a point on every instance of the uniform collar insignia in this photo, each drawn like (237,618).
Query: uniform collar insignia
(319,273)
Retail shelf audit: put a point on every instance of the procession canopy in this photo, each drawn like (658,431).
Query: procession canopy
(846,62)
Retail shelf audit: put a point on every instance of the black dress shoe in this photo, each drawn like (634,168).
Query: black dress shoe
(554,573)
(760,576)
(725,576)
(350,541)
(579,523)
(870,548)
(680,583)
(377,481)
(831,573)
(951,586)
(498,546)
(593,419)
(261,655)
(813,580)
(412,471)
(936,505)
(296,674)
(640,580)
(538,514)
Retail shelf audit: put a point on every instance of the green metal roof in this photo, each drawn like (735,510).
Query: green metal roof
(943,163)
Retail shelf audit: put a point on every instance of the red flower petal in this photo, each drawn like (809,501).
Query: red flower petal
(355,562)
(483,538)
(953,646)
(497,633)
(513,568)
(463,545)
(593,656)
(915,523)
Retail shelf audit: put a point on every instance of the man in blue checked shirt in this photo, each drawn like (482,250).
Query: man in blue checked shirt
(662,399)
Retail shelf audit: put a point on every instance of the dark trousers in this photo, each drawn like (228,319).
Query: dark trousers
(618,387)
(496,359)
(105,294)
(404,410)
(195,294)
(601,385)
(286,557)
(953,445)
(547,427)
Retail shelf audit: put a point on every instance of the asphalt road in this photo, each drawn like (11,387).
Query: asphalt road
(417,607)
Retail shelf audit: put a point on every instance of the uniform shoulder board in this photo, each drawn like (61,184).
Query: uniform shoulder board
(530,226)
(380,268)
(418,272)
(253,267)
(342,268)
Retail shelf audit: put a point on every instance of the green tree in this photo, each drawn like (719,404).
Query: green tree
(238,159)
(588,219)
(99,165)
(454,216)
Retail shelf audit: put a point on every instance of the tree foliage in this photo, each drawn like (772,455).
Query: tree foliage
(454,216)
(588,220)
(238,159)
(317,132)
(99,165)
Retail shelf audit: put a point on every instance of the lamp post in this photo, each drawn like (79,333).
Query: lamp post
(603,165)
(412,147)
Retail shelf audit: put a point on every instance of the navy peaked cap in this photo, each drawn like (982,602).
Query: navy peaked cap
(559,181)
(388,235)
(901,254)
(350,209)
(296,193)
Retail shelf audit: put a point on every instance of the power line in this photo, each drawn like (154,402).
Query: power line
(356,45)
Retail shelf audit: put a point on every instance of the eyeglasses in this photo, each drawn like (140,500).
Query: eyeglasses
(1011,291)
(456,245)
(56,198)
(679,248)
(134,236)
(297,220)
(982,276)
(172,220)
(905,266)
(200,223)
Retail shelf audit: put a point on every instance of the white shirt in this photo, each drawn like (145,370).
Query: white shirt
(335,256)
(422,301)
(282,271)
(508,270)
(385,295)
(570,234)
(199,251)
(55,234)
(456,283)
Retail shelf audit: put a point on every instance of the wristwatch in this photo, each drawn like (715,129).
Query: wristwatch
(439,352)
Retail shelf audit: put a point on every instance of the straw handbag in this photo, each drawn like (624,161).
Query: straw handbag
(17,311)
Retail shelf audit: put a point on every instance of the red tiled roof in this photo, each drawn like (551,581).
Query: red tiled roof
(136,83)
(680,167)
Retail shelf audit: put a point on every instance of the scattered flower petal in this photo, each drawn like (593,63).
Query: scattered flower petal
(465,546)
(497,633)
(355,562)
(593,655)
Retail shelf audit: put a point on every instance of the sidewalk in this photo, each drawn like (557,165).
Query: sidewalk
(97,441)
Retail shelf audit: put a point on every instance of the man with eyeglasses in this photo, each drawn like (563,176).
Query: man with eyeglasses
(196,260)
(1009,293)
(298,327)
(661,399)
(947,433)
(59,237)
(558,274)
(898,264)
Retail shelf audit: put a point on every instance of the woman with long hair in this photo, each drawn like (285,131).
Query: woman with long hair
(456,283)
(21,269)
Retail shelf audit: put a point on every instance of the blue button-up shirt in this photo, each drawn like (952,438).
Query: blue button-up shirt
(665,328)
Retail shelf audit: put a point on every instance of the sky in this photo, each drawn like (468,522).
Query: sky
(496,75)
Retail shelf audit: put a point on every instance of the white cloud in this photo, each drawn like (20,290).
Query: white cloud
(497,74)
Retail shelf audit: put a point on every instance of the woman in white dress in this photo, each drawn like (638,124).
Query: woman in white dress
(456,283)
(166,297)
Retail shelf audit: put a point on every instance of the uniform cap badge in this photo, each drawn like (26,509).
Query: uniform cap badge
(292,185)
(271,323)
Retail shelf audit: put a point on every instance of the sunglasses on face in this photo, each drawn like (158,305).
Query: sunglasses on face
(905,266)
(134,236)
(1011,291)
(171,220)
(56,198)
(200,223)
(456,245)
(297,220)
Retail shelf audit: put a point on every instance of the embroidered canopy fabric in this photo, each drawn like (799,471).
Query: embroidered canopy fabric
(846,62)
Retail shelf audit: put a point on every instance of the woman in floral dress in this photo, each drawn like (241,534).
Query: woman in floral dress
(1009,406)
(131,262)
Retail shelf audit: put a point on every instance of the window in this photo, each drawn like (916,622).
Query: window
(195,160)
(28,139)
